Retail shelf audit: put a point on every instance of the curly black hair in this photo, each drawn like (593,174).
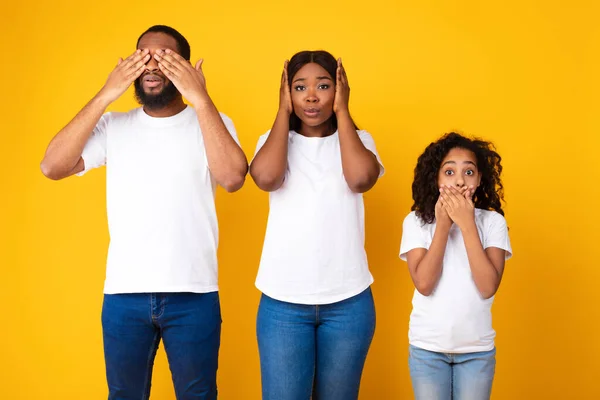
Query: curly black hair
(425,191)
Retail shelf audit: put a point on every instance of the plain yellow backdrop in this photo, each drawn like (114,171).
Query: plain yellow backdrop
(523,74)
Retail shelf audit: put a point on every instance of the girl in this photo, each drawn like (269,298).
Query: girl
(316,316)
(455,241)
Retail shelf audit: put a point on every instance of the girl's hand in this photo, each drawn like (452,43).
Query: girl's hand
(458,205)
(442,219)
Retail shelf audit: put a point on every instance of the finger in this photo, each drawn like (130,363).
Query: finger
(120,61)
(285,71)
(449,193)
(471,191)
(133,69)
(458,196)
(470,201)
(199,64)
(467,192)
(175,56)
(168,73)
(136,73)
(164,65)
(135,57)
(172,63)
(343,71)
(444,196)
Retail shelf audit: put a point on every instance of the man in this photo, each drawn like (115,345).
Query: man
(163,161)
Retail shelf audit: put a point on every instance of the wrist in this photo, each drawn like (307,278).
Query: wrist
(468,227)
(443,224)
(202,102)
(102,98)
(283,112)
(342,112)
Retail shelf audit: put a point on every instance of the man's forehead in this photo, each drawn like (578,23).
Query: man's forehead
(157,39)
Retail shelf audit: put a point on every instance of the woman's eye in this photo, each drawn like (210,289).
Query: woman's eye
(324,86)
(470,172)
(299,88)
(449,172)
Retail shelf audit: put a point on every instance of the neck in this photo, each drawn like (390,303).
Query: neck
(173,108)
(323,130)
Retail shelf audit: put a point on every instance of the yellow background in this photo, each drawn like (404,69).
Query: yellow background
(523,74)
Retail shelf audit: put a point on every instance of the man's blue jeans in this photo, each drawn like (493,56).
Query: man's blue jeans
(189,325)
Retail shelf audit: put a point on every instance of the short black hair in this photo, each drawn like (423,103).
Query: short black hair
(183,46)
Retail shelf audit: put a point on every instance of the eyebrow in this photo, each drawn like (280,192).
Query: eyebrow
(464,162)
(319,78)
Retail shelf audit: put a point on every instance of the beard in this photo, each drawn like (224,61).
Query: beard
(158,100)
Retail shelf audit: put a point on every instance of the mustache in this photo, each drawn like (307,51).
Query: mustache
(152,74)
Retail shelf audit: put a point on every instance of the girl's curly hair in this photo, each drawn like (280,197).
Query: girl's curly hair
(425,191)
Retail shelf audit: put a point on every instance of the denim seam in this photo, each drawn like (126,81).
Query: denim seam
(162,308)
(149,367)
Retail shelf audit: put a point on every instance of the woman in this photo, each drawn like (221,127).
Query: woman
(316,317)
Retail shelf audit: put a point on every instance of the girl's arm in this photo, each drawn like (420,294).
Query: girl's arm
(486,265)
(425,266)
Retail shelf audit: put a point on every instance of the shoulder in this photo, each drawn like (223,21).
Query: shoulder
(364,135)
(414,221)
(490,218)
(225,117)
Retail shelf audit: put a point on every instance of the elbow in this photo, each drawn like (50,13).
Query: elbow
(234,183)
(487,294)
(235,179)
(425,288)
(50,170)
(266,181)
(267,184)
(361,185)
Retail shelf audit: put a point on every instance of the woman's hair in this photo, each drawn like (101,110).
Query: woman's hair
(299,60)
(425,191)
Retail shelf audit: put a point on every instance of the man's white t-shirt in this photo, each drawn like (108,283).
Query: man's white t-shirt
(160,202)
(454,318)
(314,243)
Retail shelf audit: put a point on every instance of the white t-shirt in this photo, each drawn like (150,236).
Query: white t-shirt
(314,244)
(454,318)
(160,202)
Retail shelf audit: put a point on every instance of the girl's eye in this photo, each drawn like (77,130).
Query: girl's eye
(324,86)
(449,172)
(469,172)
(299,88)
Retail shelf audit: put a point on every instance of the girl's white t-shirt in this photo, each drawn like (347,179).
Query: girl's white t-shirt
(314,251)
(454,318)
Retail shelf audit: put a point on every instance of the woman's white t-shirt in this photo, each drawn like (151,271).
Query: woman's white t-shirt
(454,318)
(314,243)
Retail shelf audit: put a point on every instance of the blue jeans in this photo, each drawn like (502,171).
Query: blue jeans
(445,376)
(318,351)
(189,325)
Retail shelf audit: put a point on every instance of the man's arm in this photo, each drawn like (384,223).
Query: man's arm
(63,155)
(226,160)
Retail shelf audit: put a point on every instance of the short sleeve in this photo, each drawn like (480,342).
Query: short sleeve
(497,234)
(261,142)
(413,235)
(230,127)
(94,151)
(369,143)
